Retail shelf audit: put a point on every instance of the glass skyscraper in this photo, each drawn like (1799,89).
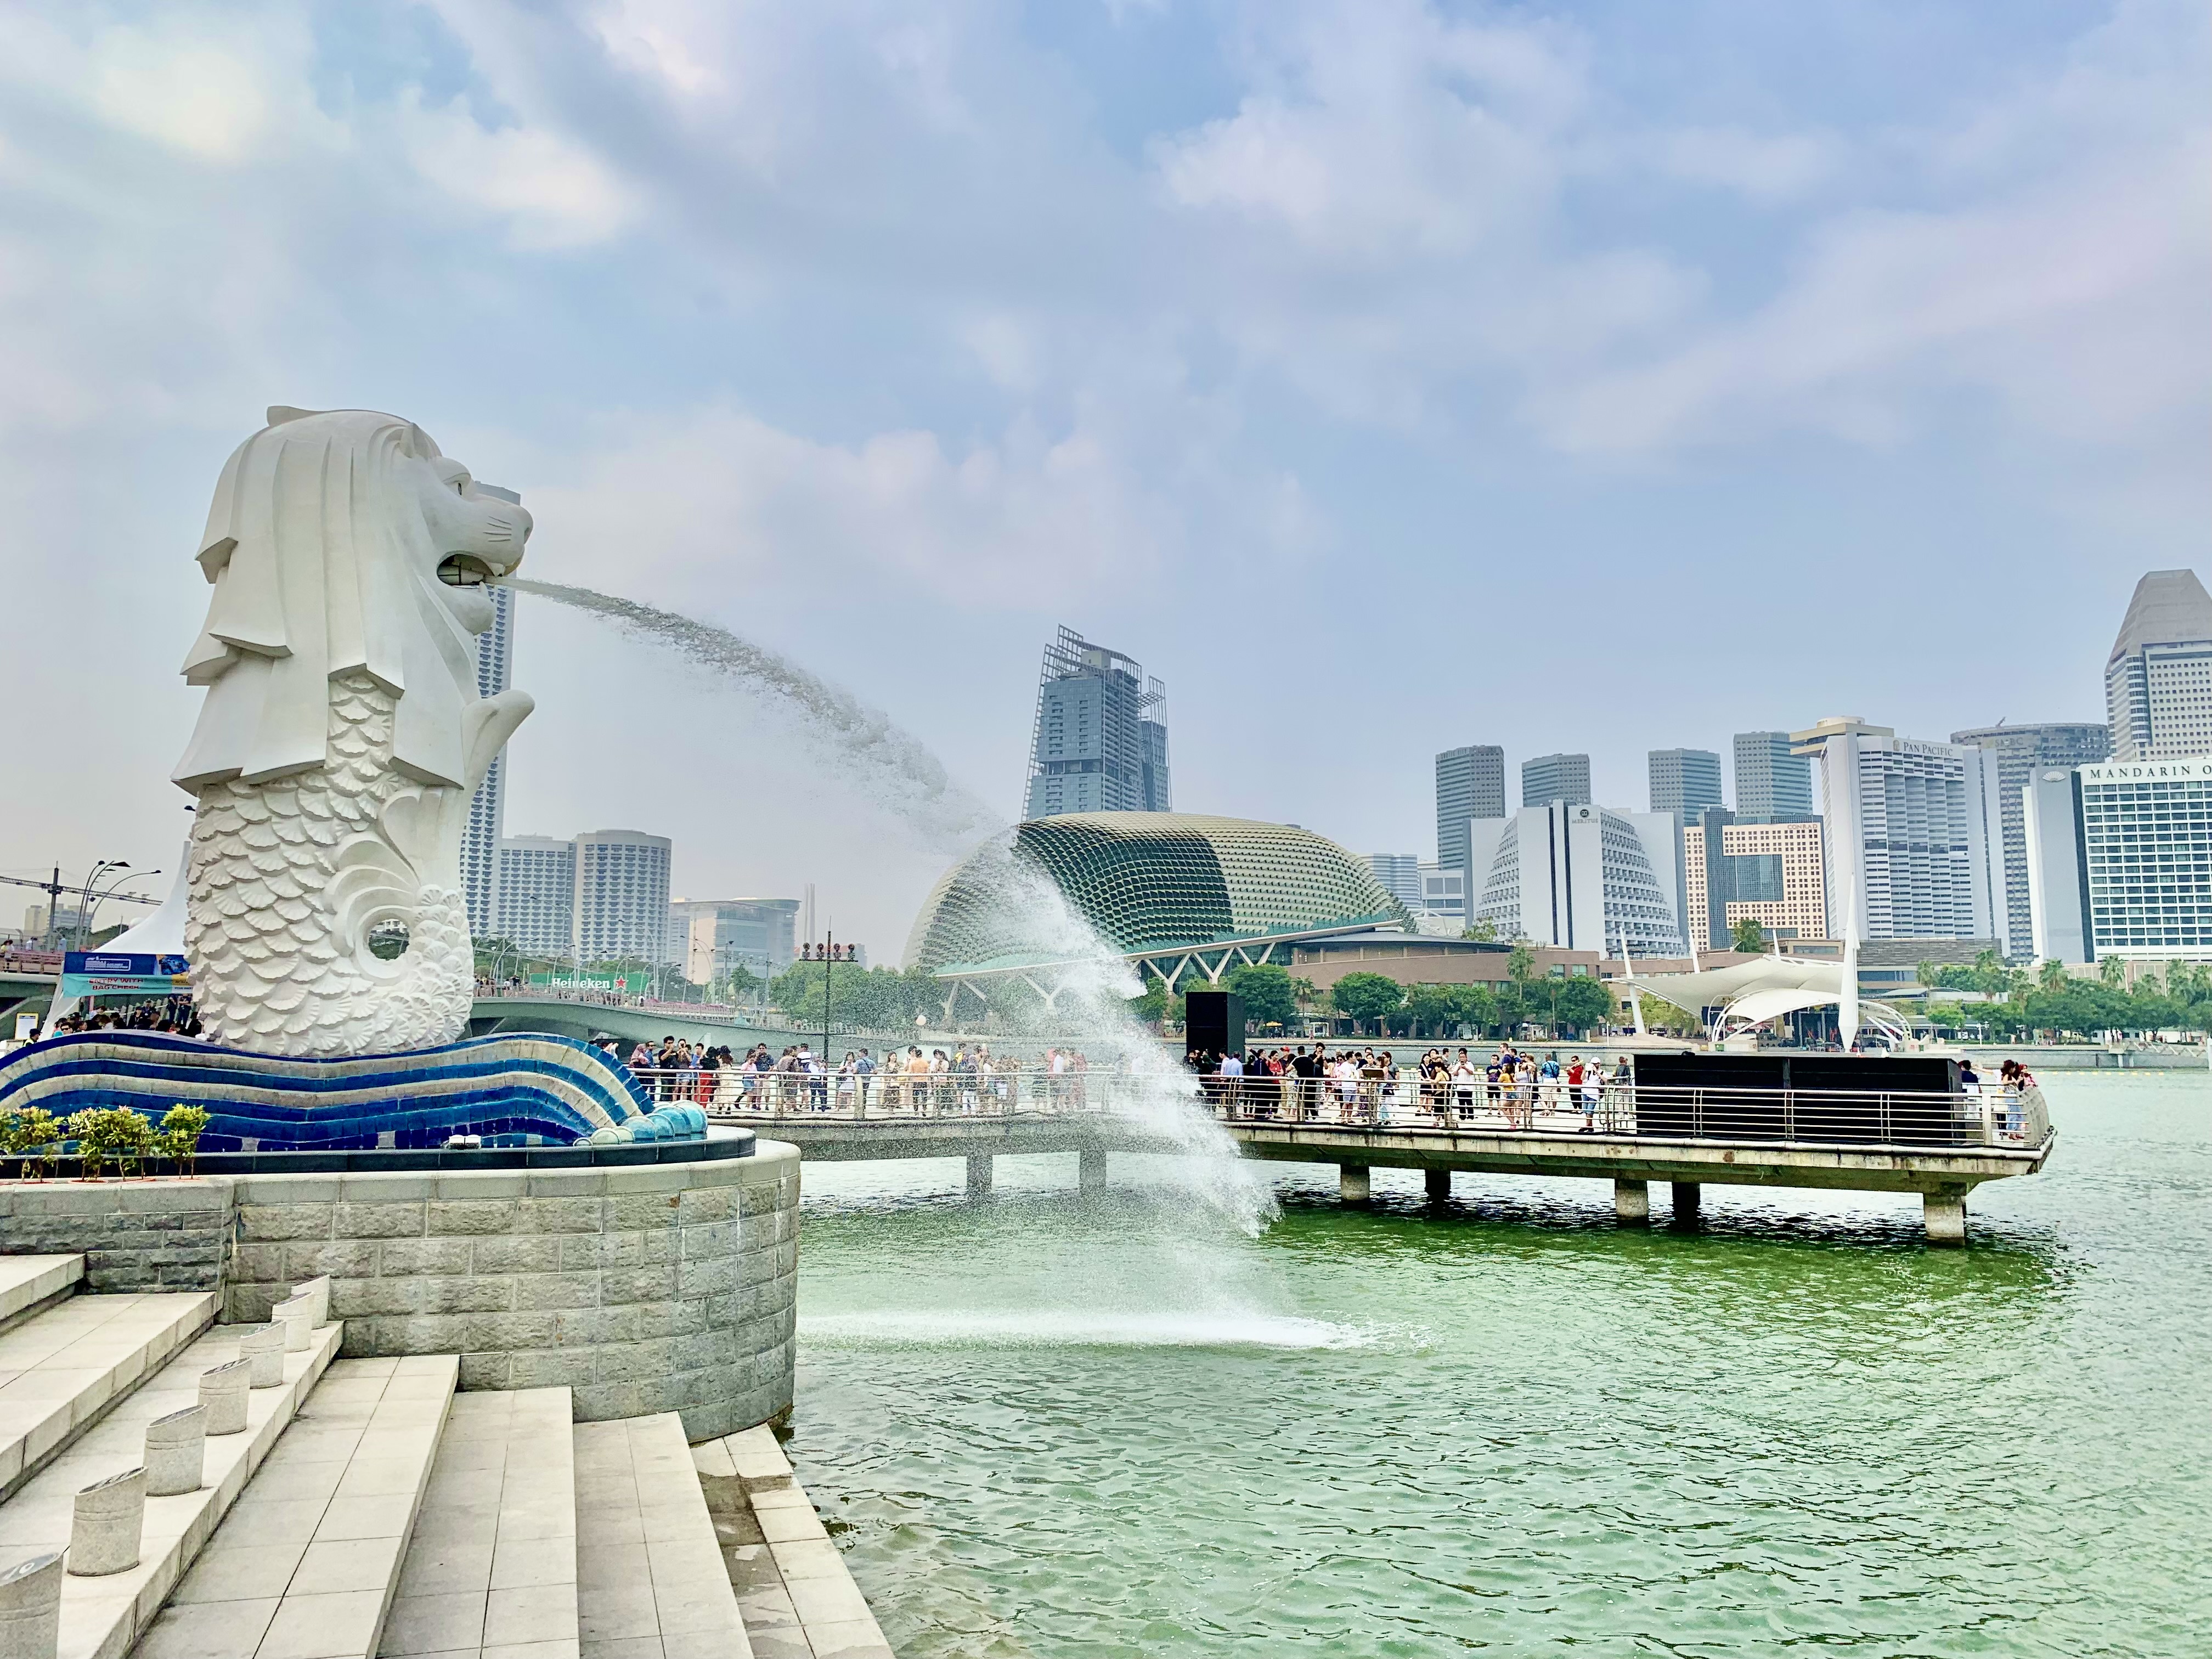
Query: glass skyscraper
(1685,781)
(1771,784)
(480,840)
(1100,743)
(1470,784)
(1555,777)
(2158,681)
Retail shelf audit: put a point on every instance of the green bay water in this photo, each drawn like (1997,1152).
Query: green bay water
(1044,1427)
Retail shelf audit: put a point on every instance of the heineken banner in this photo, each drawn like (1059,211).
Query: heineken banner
(107,973)
(635,984)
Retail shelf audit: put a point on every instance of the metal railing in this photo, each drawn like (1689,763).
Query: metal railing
(1372,1100)
(998,1092)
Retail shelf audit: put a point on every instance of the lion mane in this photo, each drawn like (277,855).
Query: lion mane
(324,563)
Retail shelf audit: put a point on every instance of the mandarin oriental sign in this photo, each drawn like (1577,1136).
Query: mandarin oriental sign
(2177,769)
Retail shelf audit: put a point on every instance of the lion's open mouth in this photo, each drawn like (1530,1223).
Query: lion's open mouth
(459,570)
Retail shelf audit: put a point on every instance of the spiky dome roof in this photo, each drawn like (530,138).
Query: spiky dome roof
(1145,881)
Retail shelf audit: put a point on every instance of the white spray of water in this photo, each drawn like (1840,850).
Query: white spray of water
(884,763)
(1088,1329)
(1092,983)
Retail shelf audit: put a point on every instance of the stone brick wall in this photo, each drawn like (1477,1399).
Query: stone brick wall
(162,1235)
(644,1288)
(660,1287)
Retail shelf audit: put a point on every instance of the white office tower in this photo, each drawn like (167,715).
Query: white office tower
(537,897)
(480,841)
(2158,681)
(1916,842)
(1580,877)
(2119,861)
(622,896)
(1400,874)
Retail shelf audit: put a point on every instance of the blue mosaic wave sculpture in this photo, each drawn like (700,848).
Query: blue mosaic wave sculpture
(514,1089)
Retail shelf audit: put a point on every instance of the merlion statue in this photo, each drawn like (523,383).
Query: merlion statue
(342,736)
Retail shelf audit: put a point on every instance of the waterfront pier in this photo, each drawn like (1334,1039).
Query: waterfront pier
(1941,1148)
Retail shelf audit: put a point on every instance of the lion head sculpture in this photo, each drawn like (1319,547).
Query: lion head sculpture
(341,542)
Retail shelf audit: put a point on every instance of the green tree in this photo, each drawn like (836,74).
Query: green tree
(1269,994)
(2112,971)
(2052,976)
(1484,930)
(1747,933)
(1360,997)
(1582,1004)
(1521,966)
(1156,1007)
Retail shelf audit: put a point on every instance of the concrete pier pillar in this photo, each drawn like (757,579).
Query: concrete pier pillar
(1632,1202)
(1944,1216)
(1090,1172)
(979,1175)
(1351,1183)
(1688,1195)
(1438,1184)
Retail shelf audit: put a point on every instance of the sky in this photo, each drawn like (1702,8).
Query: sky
(1384,376)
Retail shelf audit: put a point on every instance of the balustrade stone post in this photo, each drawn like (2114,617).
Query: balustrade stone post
(264,1347)
(31,1607)
(104,1533)
(222,1391)
(316,1292)
(174,1446)
(297,1315)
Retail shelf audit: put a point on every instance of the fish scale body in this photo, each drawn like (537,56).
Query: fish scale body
(270,972)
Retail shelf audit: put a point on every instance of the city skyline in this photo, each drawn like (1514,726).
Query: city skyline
(1594,347)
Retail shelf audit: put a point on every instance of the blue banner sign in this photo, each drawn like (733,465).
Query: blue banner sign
(108,973)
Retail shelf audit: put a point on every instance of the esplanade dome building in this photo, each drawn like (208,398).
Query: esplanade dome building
(1146,883)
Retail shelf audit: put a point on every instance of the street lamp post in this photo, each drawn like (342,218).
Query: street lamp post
(92,901)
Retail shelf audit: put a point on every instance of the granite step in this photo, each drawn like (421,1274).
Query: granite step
(101,1617)
(650,1582)
(28,1282)
(68,1364)
(490,1572)
(306,1564)
(795,1593)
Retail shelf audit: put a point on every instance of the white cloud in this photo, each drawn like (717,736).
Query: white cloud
(554,192)
(718,497)
(198,98)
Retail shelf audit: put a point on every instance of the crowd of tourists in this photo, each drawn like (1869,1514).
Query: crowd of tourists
(1367,1085)
(967,1080)
(173,1016)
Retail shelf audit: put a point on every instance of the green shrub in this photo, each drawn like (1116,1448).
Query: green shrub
(182,1126)
(30,1133)
(114,1133)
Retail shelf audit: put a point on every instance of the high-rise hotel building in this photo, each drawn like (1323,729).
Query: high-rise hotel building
(2119,860)
(1914,840)
(600,897)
